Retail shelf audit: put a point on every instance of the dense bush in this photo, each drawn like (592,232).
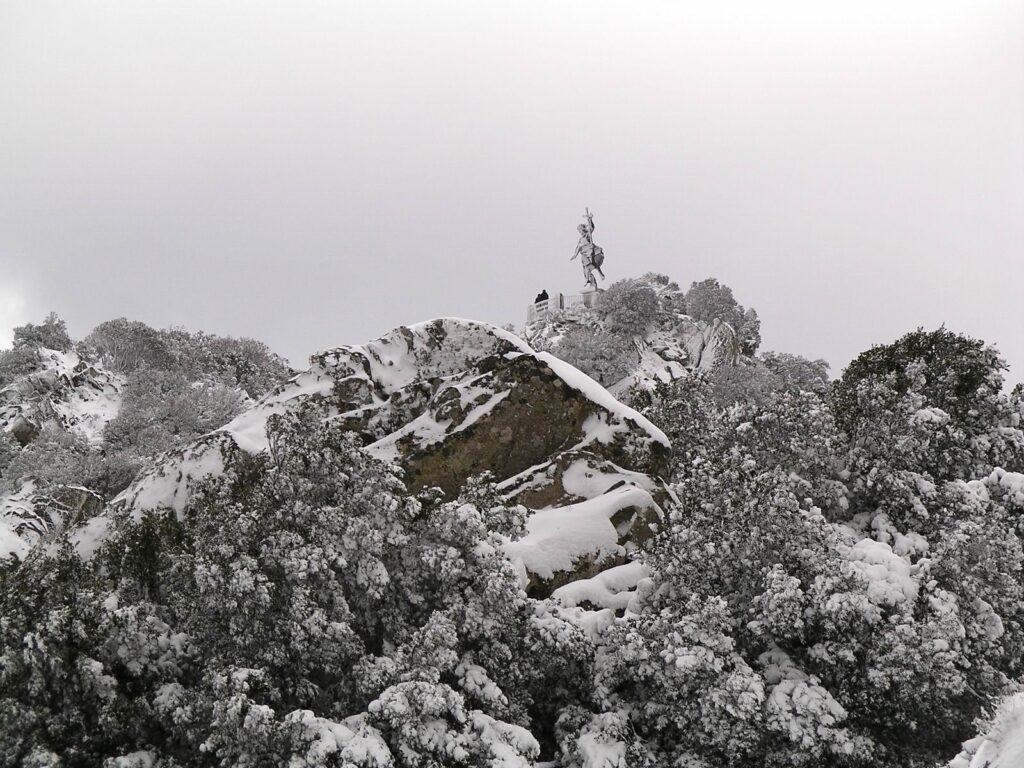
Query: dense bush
(17,362)
(244,363)
(817,598)
(57,457)
(798,372)
(742,383)
(52,333)
(124,346)
(605,357)
(628,308)
(957,374)
(9,448)
(709,300)
(304,610)
(161,410)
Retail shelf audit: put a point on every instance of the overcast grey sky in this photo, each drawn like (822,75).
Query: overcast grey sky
(316,173)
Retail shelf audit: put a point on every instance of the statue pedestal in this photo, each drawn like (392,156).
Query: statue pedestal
(589,296)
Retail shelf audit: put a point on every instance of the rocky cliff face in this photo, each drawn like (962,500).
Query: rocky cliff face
(65,392)
(446,400)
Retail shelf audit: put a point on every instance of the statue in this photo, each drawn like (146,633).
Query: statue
(591,255)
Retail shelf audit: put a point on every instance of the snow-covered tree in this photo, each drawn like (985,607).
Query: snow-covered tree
(628,308)
(162,410)
(304,610)
(797,371)
(52,333)
(709,300)
(859,626)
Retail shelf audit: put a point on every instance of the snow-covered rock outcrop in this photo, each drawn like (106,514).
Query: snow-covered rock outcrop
(446,400)
(28,514)
(65,391)
(671,346)
(1002,746)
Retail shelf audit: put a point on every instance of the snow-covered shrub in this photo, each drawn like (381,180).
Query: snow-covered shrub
(749,332)
(628,308)
(161,410)
(9,448)
(731,384)
(871,598)
(303,610)
(244,363)
(677,672)
(709,300)
(17,362)
(605,740)
(124,346)
(52,333)
(798,372)
(958,375)
(605,357)
(64,458)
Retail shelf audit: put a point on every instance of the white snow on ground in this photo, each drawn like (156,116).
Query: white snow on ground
(249,429)
(613,588)
(1002,746)
(169,485)
(15,507)
(482,410)
(424,430)
(405,355)
(88,537)
(583,479)
(665,365)
(11,543)
(556,538)
(91,403)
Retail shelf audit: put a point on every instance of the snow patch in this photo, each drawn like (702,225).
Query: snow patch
(556,538)
(1003,745)
(613,588)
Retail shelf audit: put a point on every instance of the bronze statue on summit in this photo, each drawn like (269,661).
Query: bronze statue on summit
(591,255)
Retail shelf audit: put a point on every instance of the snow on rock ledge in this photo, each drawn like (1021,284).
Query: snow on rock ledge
(65,390)
(445,399)
(1003,745)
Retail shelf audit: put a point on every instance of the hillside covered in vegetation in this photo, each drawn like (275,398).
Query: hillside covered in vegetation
(625,536)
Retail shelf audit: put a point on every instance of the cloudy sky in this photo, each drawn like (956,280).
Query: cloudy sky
(316,173)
